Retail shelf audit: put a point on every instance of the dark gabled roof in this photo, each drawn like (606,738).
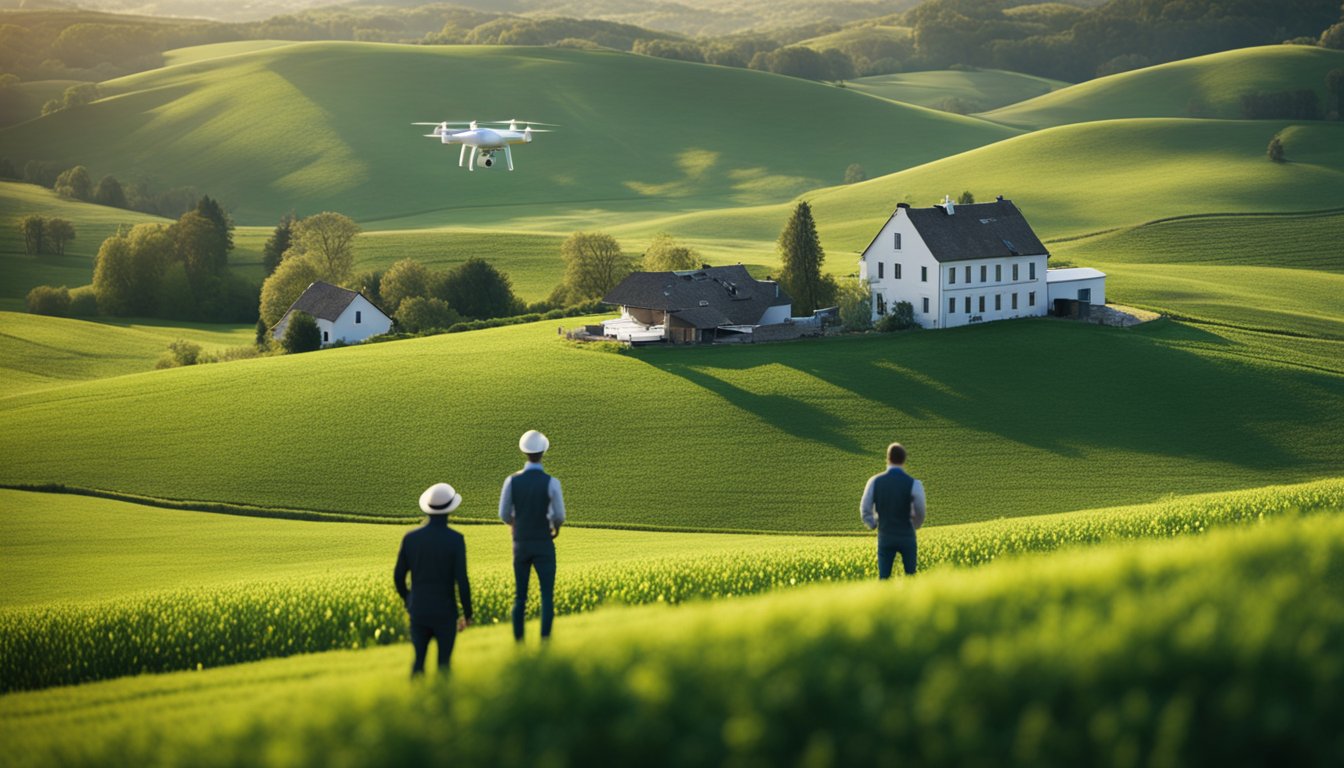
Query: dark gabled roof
(324,301)
(717,295)
(976,231)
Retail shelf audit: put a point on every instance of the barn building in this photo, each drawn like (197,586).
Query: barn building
(342,315)
(962,264)
(698,306)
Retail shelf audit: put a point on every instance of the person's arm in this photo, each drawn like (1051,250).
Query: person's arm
(463,583)
(556,513)
(917,504)
(506,501)
(400,571)
(867,511)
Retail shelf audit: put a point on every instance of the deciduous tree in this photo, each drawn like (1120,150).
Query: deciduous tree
(109,192)
(594,264)
(420,313)
(75,184)
(301,334)
(478,290)
(58,233)
(34,229)
(329,239)
(667,255)
(802,256)
(283,288)
(403,280)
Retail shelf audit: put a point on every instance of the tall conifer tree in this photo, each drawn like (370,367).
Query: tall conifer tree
(802,256)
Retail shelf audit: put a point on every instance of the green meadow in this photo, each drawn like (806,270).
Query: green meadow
(983,407)
(1207,86)
(974,90)
(1196,659)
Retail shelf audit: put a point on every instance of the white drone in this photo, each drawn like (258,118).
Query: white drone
(484,142)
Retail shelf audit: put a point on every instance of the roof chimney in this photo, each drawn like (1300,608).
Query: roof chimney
(949,206)
(999,198)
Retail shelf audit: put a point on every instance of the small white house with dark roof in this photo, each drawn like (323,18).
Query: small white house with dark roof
(962,264)
(342,315)
(696,306)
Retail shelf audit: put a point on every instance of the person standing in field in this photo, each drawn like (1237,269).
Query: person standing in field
(435,556)
(532,505)
(893,503)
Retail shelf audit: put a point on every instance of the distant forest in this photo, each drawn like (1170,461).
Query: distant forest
(1066,41)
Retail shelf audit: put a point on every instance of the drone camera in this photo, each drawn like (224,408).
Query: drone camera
(487,162)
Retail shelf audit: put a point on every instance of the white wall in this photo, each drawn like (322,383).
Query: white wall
(778,314)
(371,323)
(1068,289)
(1004,289)
(912,255)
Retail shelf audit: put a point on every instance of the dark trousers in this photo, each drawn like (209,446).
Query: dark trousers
(421,632)
(886,556)
(538,555)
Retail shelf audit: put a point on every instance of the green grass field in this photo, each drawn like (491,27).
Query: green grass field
(993,399)
(977,90)
(38,352)
(1206,86)
(1197,659)
(319,126)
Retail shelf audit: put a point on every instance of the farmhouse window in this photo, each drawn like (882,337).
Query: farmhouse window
(898,240)
(998,301)
(968,305)
(326,337)
(926,305)
(984,273)
(881,304)
(358,317)
(923,274)
(998,273)
(951,305)
(968,274)
(1014,271)
(881,270)
(982,303)
(896,270)
(1031,271)
(1031,299)
(1014,301)
(952,276)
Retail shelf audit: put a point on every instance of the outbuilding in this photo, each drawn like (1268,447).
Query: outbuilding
(1082,284)
(699,306)
(342,315)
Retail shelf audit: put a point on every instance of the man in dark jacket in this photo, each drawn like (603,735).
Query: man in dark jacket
(436,558)
(893,503)
(532,505)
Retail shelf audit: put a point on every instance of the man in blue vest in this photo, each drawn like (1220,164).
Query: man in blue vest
(532,505)
(893,503)
(435,556)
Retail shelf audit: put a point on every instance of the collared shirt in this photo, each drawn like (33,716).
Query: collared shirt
(868,512)
(556,512)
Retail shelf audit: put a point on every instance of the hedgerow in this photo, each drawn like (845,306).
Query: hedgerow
(191,629)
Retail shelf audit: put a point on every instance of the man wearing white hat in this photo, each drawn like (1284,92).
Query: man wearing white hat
(435,556)
(533,507)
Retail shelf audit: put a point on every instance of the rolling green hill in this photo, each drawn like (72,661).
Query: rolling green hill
(38,351)
(957,90)
(1206,86)
(976,405)
(1230,629)
(320,126)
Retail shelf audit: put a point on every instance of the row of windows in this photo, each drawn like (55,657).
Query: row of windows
(896,272)
(998,302)
(984,273)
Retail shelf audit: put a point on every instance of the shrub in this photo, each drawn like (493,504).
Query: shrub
(1275,151)
(49,300)
(301,334)
(854,173)
(900,318)
(419,314)
(180,353)
(855,300)
(83,302)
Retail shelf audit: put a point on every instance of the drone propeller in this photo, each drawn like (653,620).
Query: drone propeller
(446,122)
(524,122)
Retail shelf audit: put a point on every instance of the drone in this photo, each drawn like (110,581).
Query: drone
(483,142)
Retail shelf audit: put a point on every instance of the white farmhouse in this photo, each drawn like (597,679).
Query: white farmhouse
(341,315)
(959,264)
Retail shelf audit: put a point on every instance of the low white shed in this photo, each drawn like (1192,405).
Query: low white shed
(1076,283)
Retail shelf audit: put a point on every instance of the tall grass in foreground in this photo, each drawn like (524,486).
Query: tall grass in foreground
(1224,650)
(72,643)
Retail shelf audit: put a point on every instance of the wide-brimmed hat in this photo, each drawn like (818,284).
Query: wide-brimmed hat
(439,499)
(533,441)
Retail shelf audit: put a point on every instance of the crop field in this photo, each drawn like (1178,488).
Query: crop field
(979,90)
(161,628)
(220,430)
(1207,86)
(299,134)
(1235,627)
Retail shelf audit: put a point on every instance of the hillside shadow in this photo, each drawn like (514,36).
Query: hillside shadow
(1069,389)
